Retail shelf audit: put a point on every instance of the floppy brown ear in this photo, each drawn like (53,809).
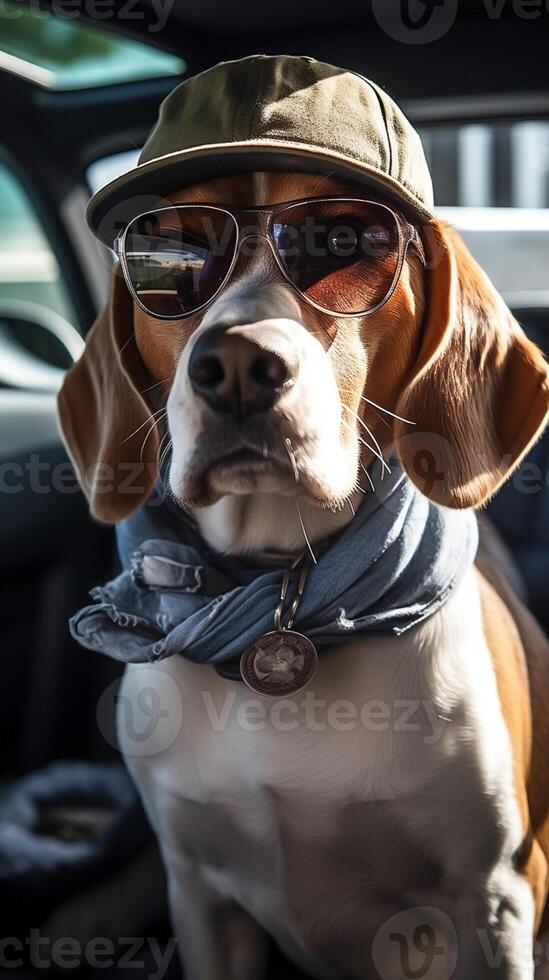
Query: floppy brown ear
(479,390)
(103,413)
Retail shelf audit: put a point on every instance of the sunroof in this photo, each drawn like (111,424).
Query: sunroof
(61,54)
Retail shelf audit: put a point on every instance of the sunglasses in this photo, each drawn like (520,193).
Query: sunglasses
(343,255)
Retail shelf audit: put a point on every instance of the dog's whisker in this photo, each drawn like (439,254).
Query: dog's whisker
(153,426)
(143,424)
(367,445)
(371,482)
(384,465)
(166,488)
(121,350)
(157,384)
(380,418)
(386,410)
(164,437)
(293,461)
(165,457)
(167,450)
(353,511)
(160,452)
(305,535)
(163,452)
(291,454)
(379,453)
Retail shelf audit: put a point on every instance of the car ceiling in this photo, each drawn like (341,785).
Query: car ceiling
(483,53)
(501,59)
(242,17)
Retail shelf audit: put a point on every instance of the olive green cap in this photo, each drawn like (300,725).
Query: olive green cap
(271,113)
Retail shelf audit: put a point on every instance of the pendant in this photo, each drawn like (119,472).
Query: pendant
(279,663)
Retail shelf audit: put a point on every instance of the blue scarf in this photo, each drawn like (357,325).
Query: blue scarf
(393,566)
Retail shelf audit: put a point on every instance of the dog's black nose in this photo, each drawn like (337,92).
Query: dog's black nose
(234,374)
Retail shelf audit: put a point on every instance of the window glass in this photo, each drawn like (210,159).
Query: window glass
(28,268)
(60,53)
(489,164)
(102,171)
(491,181)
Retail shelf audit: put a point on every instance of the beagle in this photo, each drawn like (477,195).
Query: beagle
(392,819)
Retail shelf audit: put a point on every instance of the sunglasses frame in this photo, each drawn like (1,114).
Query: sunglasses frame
(407,235)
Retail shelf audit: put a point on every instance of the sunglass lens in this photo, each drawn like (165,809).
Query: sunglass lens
(177,258)
(343,255)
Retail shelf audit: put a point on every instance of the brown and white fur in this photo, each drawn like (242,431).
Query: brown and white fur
(306,822)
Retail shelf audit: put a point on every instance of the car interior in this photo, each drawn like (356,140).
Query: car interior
(80,90)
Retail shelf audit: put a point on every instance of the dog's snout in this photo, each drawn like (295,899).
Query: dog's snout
(235,374)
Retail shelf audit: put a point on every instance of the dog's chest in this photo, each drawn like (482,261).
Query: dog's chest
(322,814)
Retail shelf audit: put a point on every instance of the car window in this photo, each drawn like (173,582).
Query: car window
(100,172)
(28,268)
(58,53)
(489,164)
(492,181)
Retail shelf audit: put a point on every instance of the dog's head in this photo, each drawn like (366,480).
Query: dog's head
(263,394)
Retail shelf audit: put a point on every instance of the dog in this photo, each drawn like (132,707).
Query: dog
(392,846)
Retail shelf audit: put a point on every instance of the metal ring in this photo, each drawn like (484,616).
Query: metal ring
(279,626)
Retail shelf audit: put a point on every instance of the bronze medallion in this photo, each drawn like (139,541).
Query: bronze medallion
(279,663)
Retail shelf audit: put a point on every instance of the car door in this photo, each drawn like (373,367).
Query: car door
(50,551)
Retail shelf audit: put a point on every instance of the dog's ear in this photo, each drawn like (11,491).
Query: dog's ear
(103,413)
(479,389)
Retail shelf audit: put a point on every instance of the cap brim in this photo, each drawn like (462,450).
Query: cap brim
(142,188)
